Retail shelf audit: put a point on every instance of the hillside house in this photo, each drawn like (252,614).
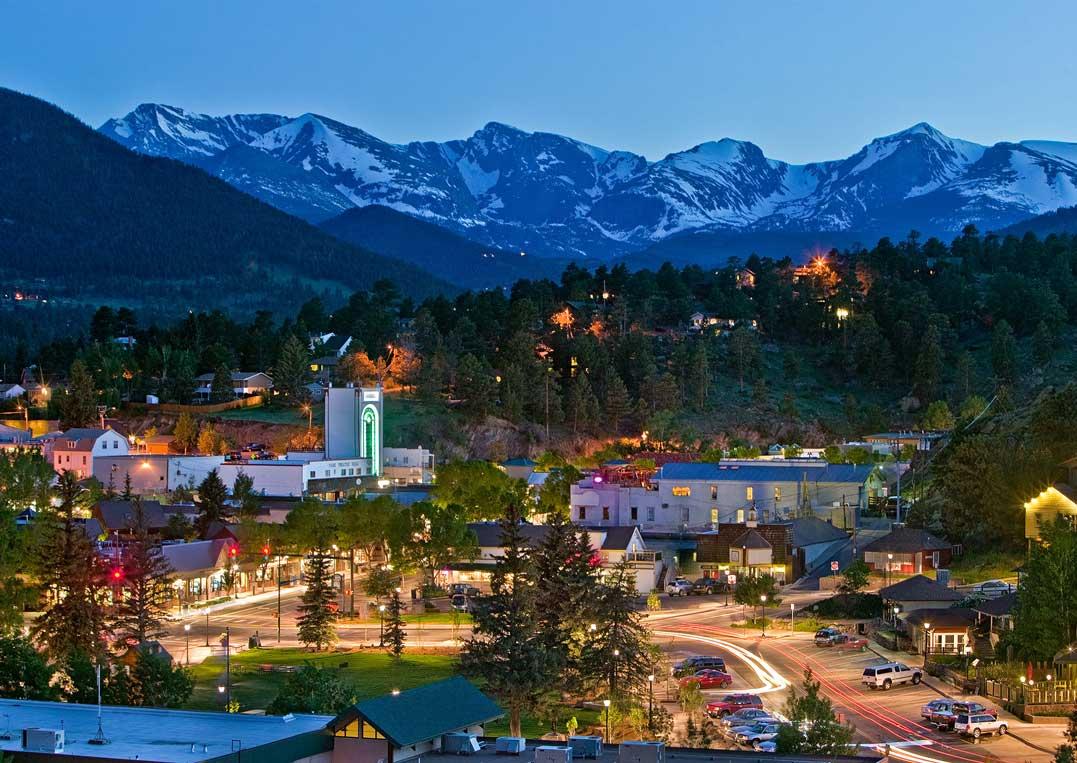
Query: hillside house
(1054,501)
(244,383)
(908,550)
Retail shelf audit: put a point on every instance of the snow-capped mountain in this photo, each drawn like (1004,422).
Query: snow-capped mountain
(549,194)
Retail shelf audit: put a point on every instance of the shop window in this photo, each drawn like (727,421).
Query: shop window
(749,493)
(714,492)
(606,513)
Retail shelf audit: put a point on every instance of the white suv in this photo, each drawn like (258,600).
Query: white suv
(889,673)
(979,724)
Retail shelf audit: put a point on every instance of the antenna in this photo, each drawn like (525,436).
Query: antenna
(99,737)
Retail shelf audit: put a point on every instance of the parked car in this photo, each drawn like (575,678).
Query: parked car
(691,665)
(706,586)
(826,636)
(761,732)
(731,703)
(945,717)
(465,589)
(679,587)
(460,602)
(742,717)
(848,641)
(741,726)
(709,679)
(992,589)
(887,674)
(770,746)
(979,724)
(928,711)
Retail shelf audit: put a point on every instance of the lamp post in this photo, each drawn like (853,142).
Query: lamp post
(763,610)
(897,609)
(927,642)
(613,672)
(228,665)
(207,626)
(279,582)
(889,564)
(792,615)
(187,636)
(381,625)
(650,703)
(606,704)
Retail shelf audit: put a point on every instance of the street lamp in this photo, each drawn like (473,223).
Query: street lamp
(606,704)
(927,642)
(381,622)
(763,609)
(650,702)
(792,614)
(889,563)
(897,609)
(207,626)
(187,636)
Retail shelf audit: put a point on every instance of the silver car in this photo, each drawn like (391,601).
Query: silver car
(762,732)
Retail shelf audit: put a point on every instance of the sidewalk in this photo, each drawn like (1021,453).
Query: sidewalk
(193,613)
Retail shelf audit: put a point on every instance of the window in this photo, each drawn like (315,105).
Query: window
(369,732)
(714,516)
(583,512)
(682,491)
(606,513)
(777,494)
(740,515)
(650,513)
(634,512)
(749,493)
(714,492)
(684,515)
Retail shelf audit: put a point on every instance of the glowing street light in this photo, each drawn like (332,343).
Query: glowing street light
(763,609)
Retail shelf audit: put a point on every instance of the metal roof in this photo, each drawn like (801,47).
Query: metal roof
(808,531)
(159,735)
(426,712)
(919,588)
(906,540)
(813,472)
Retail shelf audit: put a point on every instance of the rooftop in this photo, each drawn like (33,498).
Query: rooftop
(807,531)
(953,619)
(905,540)
(768,471)
(672,755)
(157,735)
(919,588)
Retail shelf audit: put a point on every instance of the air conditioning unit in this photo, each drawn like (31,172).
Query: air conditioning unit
(641,752)
(510,745)
(551,754)
(43,740)
(586,746)
(459,743)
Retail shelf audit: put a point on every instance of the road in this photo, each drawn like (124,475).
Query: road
(769,665)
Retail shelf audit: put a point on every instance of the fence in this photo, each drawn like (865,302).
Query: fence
(244,402)
(1047,693)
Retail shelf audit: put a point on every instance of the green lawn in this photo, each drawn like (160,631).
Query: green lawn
(974,567)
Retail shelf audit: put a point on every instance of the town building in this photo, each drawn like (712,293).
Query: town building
(47,732)
(748,550)
(117,516)
(244,383)
(14,436)
(941,631)
(1054,501)
(11,391)
(894,442)
(815,541)
(995,616)
(76,449)
(909,550)
(518,468)
(917,592)
(689,497)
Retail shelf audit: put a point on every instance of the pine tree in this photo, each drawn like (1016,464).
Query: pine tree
(147,585)
(929,364)
(243,493)
(699,377)
(582,404)
(78,408)
(185,434)
(395,635)
(965,374)
(1043,345)
(290,372)
(1004,353)
(618,401)
(211,497)
(127,494)
(317,617)
(69,568)
(221,388)
(503,652)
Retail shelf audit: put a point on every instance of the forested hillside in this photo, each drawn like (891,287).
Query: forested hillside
(103,223)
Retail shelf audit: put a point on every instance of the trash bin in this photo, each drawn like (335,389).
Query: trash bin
(254,642)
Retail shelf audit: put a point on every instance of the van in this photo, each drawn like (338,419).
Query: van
(889,673)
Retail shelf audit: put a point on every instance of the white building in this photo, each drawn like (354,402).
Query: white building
(75,449)
(243,383)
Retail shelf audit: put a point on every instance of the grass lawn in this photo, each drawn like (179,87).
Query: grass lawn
(976,566)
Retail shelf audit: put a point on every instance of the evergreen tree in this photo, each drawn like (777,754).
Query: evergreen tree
(185,434)
(929,364)
(221,388)
(812,727)
(504,652)
(24,671)
(699,377)
(78,408)
(475,386)
(290,371)
(69,568)
(1043,345)
(744,351)
(395,635)
(938,416)
(618,402)
(127,494)
(965,374)
(147,585)
(212,495)
(1004,353)
(582,404)
(323,691)
(317,616)
(244,494)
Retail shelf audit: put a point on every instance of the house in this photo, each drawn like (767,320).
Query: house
(995,615)
(324,367)
(748,550)
(941,631)
(11,391)
(37,392)
(159,444)
(815,541)
(705,322)
(693,497)
(908,550)
(243,383)
(117,516)
(745,278)
(76,449)
(518,468)
(408,724)
(197,568)
(893,442)
(917,592)
(1057,500)
(14,435)
(68,731)
(408,466)
(330,344)
(130,657)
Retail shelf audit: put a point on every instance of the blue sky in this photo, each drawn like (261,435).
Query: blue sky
(805,81)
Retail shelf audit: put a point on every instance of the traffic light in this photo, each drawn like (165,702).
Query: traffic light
(117,574)
(265,552)
(233,551)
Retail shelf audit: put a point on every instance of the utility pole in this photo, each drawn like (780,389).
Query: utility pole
(228,665)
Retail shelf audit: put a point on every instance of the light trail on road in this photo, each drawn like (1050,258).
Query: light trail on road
(771,678)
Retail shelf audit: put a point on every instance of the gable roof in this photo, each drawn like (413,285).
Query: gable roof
(713,547)
(808,531)
(420,714)
(488,534)
(908,540)
(813,472)
(519,462)
(955,619)
(919,588)
(617,538)
(997,607)
(751,539)
(119,514)
(194,556)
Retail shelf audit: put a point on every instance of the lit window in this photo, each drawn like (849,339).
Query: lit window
(740,515)
(714,516)
(682,491)
(714,492)
(749,493)
(369,732)
(777,494)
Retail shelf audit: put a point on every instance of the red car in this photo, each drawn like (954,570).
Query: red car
(709,679)
(846,641)
(731,703)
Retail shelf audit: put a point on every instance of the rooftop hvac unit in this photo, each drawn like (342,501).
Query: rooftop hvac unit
(641,752)
(585,747)
(459,743)
(510,745)
(43,740)
(552,754)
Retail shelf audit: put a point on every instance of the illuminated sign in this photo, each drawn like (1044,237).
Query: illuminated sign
(371,395)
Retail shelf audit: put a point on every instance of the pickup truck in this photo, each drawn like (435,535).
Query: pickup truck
(978,724)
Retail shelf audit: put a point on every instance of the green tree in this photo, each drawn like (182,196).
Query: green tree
(291,369)
(503,652)
(154,682)
(581,407)
(618,403)
(25,477)
(751,590)
(221,388)
(1046,610)
(854,578)
(311,689)
(146,584)
(185,433)
(929,364)
(24,672)
(395,634)
(476,386)
(480,488)
(243,493)
(938,416)
(428,537)
(317,613)
(554,495)
(1004,353)
(965,374)
(71,571)
(812,727)
(744,351)
(972,407)
(212,495)
(1043,345)
(78,407)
